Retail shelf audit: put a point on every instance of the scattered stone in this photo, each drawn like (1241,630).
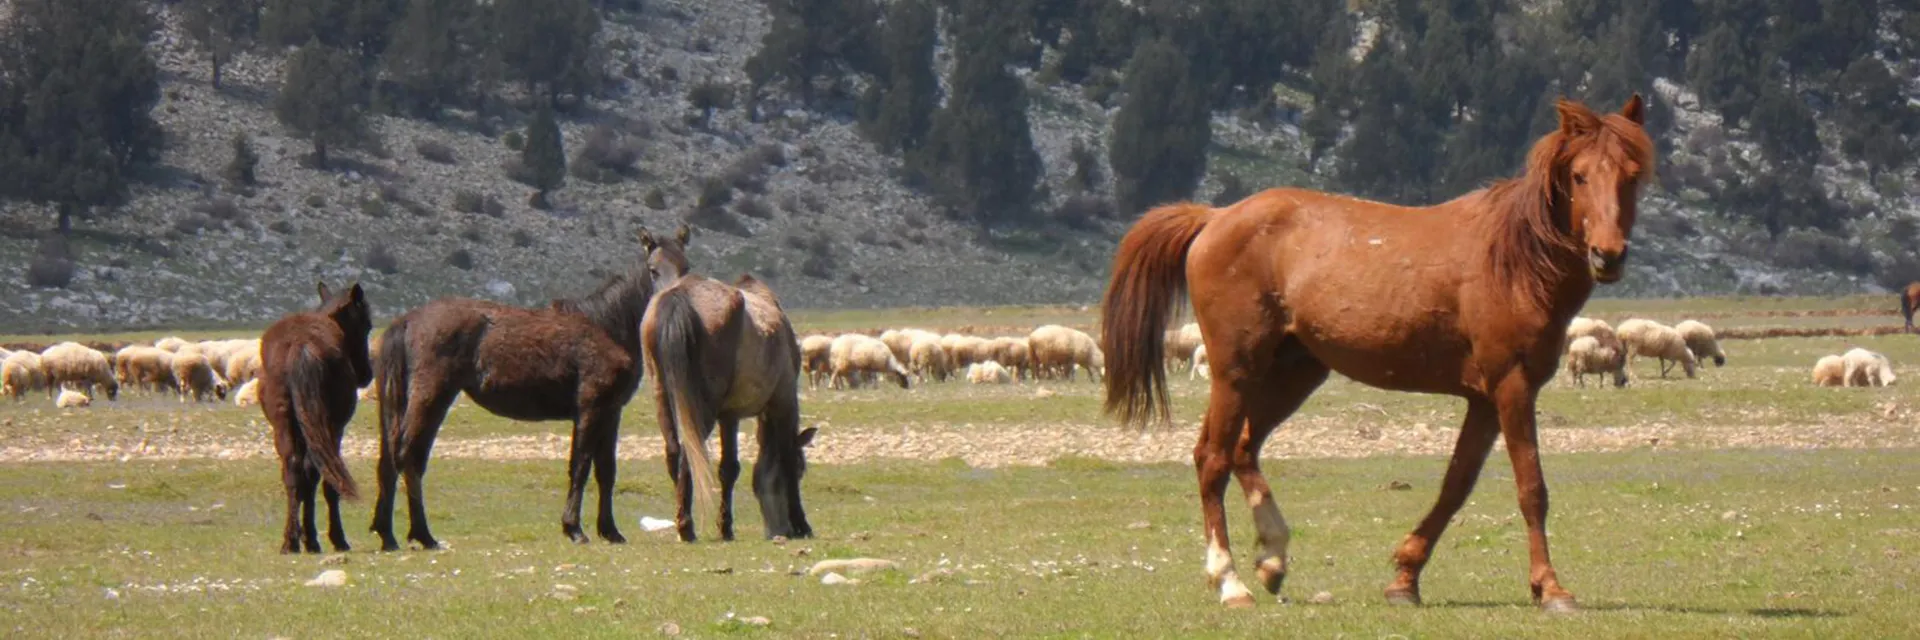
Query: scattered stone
(1399,485)
(1044,392)
(335,560)
(910,632)
(564,592)
(854,566)
(329,578)
(669,629)
(1142,524)
(1729,515)
(757,621)
(834,578)
(650,523)
(1323,597)
(585,610)
(721,570)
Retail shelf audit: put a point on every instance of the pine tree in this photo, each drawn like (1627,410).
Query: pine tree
(361,27)
(1874,118)
(549,45)
(1785,129)
(239,171)
(77,90)
(816,38)
(1160,136)
(222,27)
(1725,72)
(438,53)
(323,99)
(906,98)
(543,156)
(979,154)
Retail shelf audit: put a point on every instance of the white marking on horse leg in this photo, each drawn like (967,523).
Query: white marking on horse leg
(1271,564)
(1220,574)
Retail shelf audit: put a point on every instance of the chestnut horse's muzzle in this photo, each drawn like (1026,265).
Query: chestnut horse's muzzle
(1607,268)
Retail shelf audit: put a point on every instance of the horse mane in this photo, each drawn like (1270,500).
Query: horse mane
(1529,236)
(617,306)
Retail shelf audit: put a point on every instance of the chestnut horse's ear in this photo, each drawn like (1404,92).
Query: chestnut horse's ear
(683,234)
(325,293)
(646,239)
(1635,110)
(1575,118)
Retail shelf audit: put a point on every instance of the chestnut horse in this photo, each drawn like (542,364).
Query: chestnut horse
(576,360)
(1469,298)
(311,365)
(1910,302)
(720,353)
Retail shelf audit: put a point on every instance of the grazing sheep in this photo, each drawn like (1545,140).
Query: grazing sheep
(1200,364)
(1865,368)
(1654,340)
(856,357)
(1058,350)
(1182,342)
(170,344)
(71,399)
(1830,371)
(248,394)
(21,373)
(929,360)
(1088,356)
(899,342)
(813,357)
(1596,328)
(149,369)
(988,372)
(195,378)
(1587,355)
(243,365)
(1010,353)
(1701,341)
(77,365)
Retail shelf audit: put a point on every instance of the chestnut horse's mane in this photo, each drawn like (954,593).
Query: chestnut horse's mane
(1527,241)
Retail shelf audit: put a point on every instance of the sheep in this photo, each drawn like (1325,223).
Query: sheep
(1865,368)
(1654,340)
(195,378)
(1587,355)
(1701,341)
(170,344)
(243,365)
(22,373)
(1088,356)
(1010,353)
(1830,371)
(1595,327)
(864,356)
(929,360)
(147,368)
(1182,342)
(988,372)
(813,355)
(70,399)
(248,394)
(899,342)
(1200,364)
(78,365)
(1057,350)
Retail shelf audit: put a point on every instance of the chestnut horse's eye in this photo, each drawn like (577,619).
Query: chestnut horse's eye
(1579,178)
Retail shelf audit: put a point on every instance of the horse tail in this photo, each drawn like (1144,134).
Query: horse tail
(1149,276)
(307,383)
(390,380)
(676,348)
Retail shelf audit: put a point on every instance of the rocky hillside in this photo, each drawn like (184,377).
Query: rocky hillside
(820,213)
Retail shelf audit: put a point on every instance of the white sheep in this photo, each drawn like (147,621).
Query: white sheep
(1867,369)
(988,372)
(70,399)
(1587,355)
(855,357)
(1181,343)
(195,377)
(170,344)
(1654,340)
(80,366)
(243,363)
(1701,341)
(1598,329)
(928,360)
(145,367)
(1200,364)
(1830,371)
(22,373)
(1008,352)
(248,394)
(813,356)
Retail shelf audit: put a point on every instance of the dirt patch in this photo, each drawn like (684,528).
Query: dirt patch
(1031,444)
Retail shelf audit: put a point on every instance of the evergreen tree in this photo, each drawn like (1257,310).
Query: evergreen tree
(543,156)
(550,45)
(906,98)
(1784,126)
(361,27)
(979,153)
(816,38)
(438,54)
(1725,72)
(222,27)
(239,171)
(1874,118)
(708,96)
(1390,154)
(323,99)
(1160,136)
(77,90)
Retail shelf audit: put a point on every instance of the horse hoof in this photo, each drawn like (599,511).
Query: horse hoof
(1240,601)
(1403,598)
(1272,580)
(1560,605)
(389,546)
(613,537)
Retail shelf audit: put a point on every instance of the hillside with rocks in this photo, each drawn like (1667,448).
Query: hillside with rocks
(809,202)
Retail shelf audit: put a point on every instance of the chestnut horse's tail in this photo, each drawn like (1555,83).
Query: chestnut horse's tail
(307,382)
(1149,276)
(677,348)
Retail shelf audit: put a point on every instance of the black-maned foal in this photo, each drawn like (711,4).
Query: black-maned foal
(311,365)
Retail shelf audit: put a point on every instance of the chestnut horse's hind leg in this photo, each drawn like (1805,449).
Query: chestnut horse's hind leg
(1469,453)
(1281,396)
(1212,460)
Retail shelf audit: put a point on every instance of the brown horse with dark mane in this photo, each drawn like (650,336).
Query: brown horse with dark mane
(575,360)
(720,353)
(1910,302)
(311,366)
(1469,298)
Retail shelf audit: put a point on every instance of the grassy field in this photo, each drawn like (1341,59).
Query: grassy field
(1745,502)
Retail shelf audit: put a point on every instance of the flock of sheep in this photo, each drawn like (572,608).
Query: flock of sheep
(1594,347)
(905,355)
(73,373)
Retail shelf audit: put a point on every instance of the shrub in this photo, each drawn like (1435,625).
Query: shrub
(820,261)
(374,208)
(316,201)
(283,227)
(522,239)
(239,171)
(608,150)
(1082,211)
(221,209)
(493,207)
(656,199)
(192,225)
(1805,249)
(746,178)
(52,265)
(714,193)
(718,219)
(753,208)
(467,201)
(390,192)
(514,140)
(460,259)
(474,235)
(435,151)
(380,258)
(1232,189)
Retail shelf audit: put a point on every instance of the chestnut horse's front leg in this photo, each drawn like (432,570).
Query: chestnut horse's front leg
(1469,454)
(1522,437)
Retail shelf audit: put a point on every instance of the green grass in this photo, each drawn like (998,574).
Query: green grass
(1773,544)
